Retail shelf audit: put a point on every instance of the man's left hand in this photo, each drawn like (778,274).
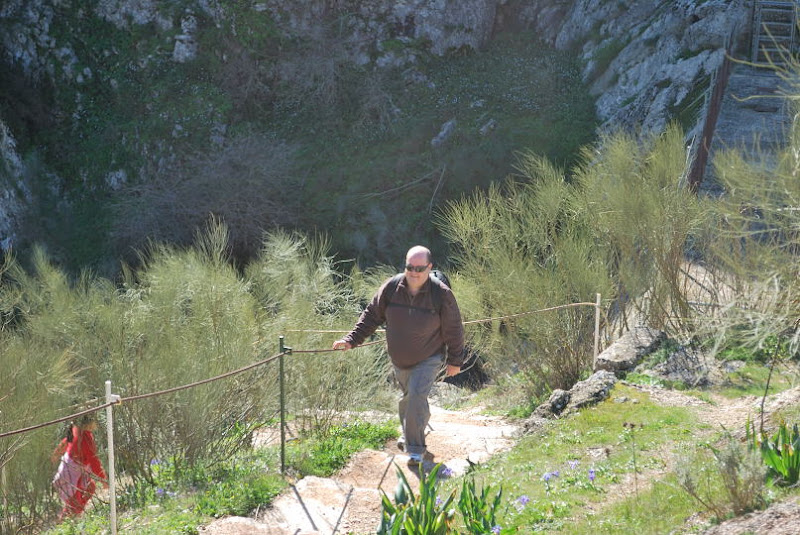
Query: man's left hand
(452,370)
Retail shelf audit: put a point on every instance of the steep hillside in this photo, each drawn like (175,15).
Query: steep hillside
(133,120)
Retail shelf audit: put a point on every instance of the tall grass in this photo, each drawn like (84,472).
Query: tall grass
(753,253)
(36,384)
(617,225)
(186,314)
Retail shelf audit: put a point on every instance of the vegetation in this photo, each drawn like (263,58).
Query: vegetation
(780,452)
(186,310)
(616,221)
(179,500)
(556,237)
(417,514)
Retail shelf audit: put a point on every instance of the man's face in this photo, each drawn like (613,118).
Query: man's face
(413,263)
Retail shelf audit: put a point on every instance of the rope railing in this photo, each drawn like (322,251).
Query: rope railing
(117,400)
(57,421)
(509,316)
(204,381)
(470,322)
(141,396)
(255,365)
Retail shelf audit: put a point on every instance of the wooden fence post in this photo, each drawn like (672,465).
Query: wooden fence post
(596,329)
(112,483)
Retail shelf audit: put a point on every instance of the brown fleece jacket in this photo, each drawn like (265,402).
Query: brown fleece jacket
(414,331)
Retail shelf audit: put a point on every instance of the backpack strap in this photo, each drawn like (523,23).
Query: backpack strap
(391,288)
(436,293)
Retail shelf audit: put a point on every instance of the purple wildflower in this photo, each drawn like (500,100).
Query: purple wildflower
(447,472)
(154,462)
(523,500)
(572,464)
(591,475)
(160,492)
(496,530)
(439,501)
(556,473)
(547,476)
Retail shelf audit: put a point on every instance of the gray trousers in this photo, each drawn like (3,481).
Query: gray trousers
(413,409)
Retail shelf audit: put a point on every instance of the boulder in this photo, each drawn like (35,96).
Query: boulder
(591,391)
(555,405)
(585,393)
(627,352)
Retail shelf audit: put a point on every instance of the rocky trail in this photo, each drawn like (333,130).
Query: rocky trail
(349,502)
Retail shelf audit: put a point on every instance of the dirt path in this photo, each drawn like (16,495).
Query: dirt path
(350,501)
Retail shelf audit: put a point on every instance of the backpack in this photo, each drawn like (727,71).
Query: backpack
(436,290)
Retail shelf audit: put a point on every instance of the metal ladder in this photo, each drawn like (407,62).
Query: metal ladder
(774,32)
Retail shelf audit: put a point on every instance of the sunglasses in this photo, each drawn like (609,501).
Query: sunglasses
(417,269)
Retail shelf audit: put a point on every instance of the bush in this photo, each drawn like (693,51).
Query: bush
(615,225)
(733,483)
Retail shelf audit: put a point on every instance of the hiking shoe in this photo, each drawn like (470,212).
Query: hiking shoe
(414,459)
(401,443)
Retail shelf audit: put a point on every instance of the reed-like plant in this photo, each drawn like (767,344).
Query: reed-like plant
(733,482)
(37,383)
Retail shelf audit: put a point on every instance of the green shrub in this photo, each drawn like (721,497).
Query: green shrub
(781,453)
(733,483)
(239,494)
(614,225)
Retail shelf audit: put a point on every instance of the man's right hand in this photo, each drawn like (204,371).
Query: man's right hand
(342,344)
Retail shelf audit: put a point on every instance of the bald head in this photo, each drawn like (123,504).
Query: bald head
(419,252)
(418,266)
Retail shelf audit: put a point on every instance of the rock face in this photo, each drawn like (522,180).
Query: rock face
(644,60)
(11,198)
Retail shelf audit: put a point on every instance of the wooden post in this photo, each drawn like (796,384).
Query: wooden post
(282,390)
(596,329)
(112,484)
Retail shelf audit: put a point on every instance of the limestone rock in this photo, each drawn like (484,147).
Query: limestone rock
(592,390)
(627,352)
(555,405)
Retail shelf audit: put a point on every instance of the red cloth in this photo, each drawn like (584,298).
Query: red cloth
(76,489)
(83,450)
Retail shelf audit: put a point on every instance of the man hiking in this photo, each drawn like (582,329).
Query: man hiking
(423,331)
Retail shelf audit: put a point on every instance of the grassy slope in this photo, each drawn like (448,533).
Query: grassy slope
(586,473)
